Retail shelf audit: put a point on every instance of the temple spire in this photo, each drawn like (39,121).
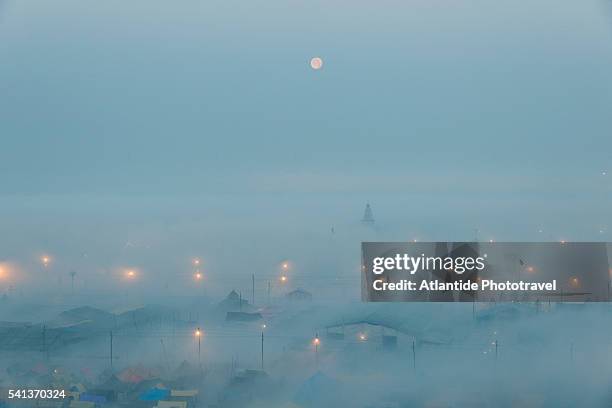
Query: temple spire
(368,216)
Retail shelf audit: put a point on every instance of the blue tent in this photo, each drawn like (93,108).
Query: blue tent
(96,399)
(154,394)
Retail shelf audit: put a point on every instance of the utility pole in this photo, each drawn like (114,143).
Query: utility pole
(316,344)
(166,360)
(72,275)
(414,354)
(474,307)
(44,341)
(262,349)
(111,349)
(253,288)
(200,348)
(269,292)
(496,349)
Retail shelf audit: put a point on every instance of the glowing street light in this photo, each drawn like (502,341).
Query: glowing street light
(197,275)
(198,334)
(284,266)
(45,260)
(316,343)
(363,337)
(130,274)
(574,282)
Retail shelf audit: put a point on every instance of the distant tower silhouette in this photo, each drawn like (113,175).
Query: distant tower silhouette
(368,217)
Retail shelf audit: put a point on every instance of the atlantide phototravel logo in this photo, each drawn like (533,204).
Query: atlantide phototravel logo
(485,271)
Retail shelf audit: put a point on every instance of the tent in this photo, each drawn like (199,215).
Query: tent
(154,394)
(77,387)
(137,374)
(234,302)
(115,384)
(171,404)
(184,393)
(299,295)
(96,399)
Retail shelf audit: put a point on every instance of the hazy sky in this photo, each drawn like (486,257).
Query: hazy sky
(147,132)
(217,96)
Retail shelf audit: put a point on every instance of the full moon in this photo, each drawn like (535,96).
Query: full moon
(316,63)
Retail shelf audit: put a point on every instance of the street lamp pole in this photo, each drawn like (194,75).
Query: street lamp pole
(316,344)
(198,334)
(263,327)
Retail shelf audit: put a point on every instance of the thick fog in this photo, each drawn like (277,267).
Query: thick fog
(508,354)
(177,185)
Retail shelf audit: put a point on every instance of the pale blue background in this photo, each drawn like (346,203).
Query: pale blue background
(201,122)
(152,96)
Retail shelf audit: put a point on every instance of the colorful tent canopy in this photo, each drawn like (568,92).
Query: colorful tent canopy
(154,394)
